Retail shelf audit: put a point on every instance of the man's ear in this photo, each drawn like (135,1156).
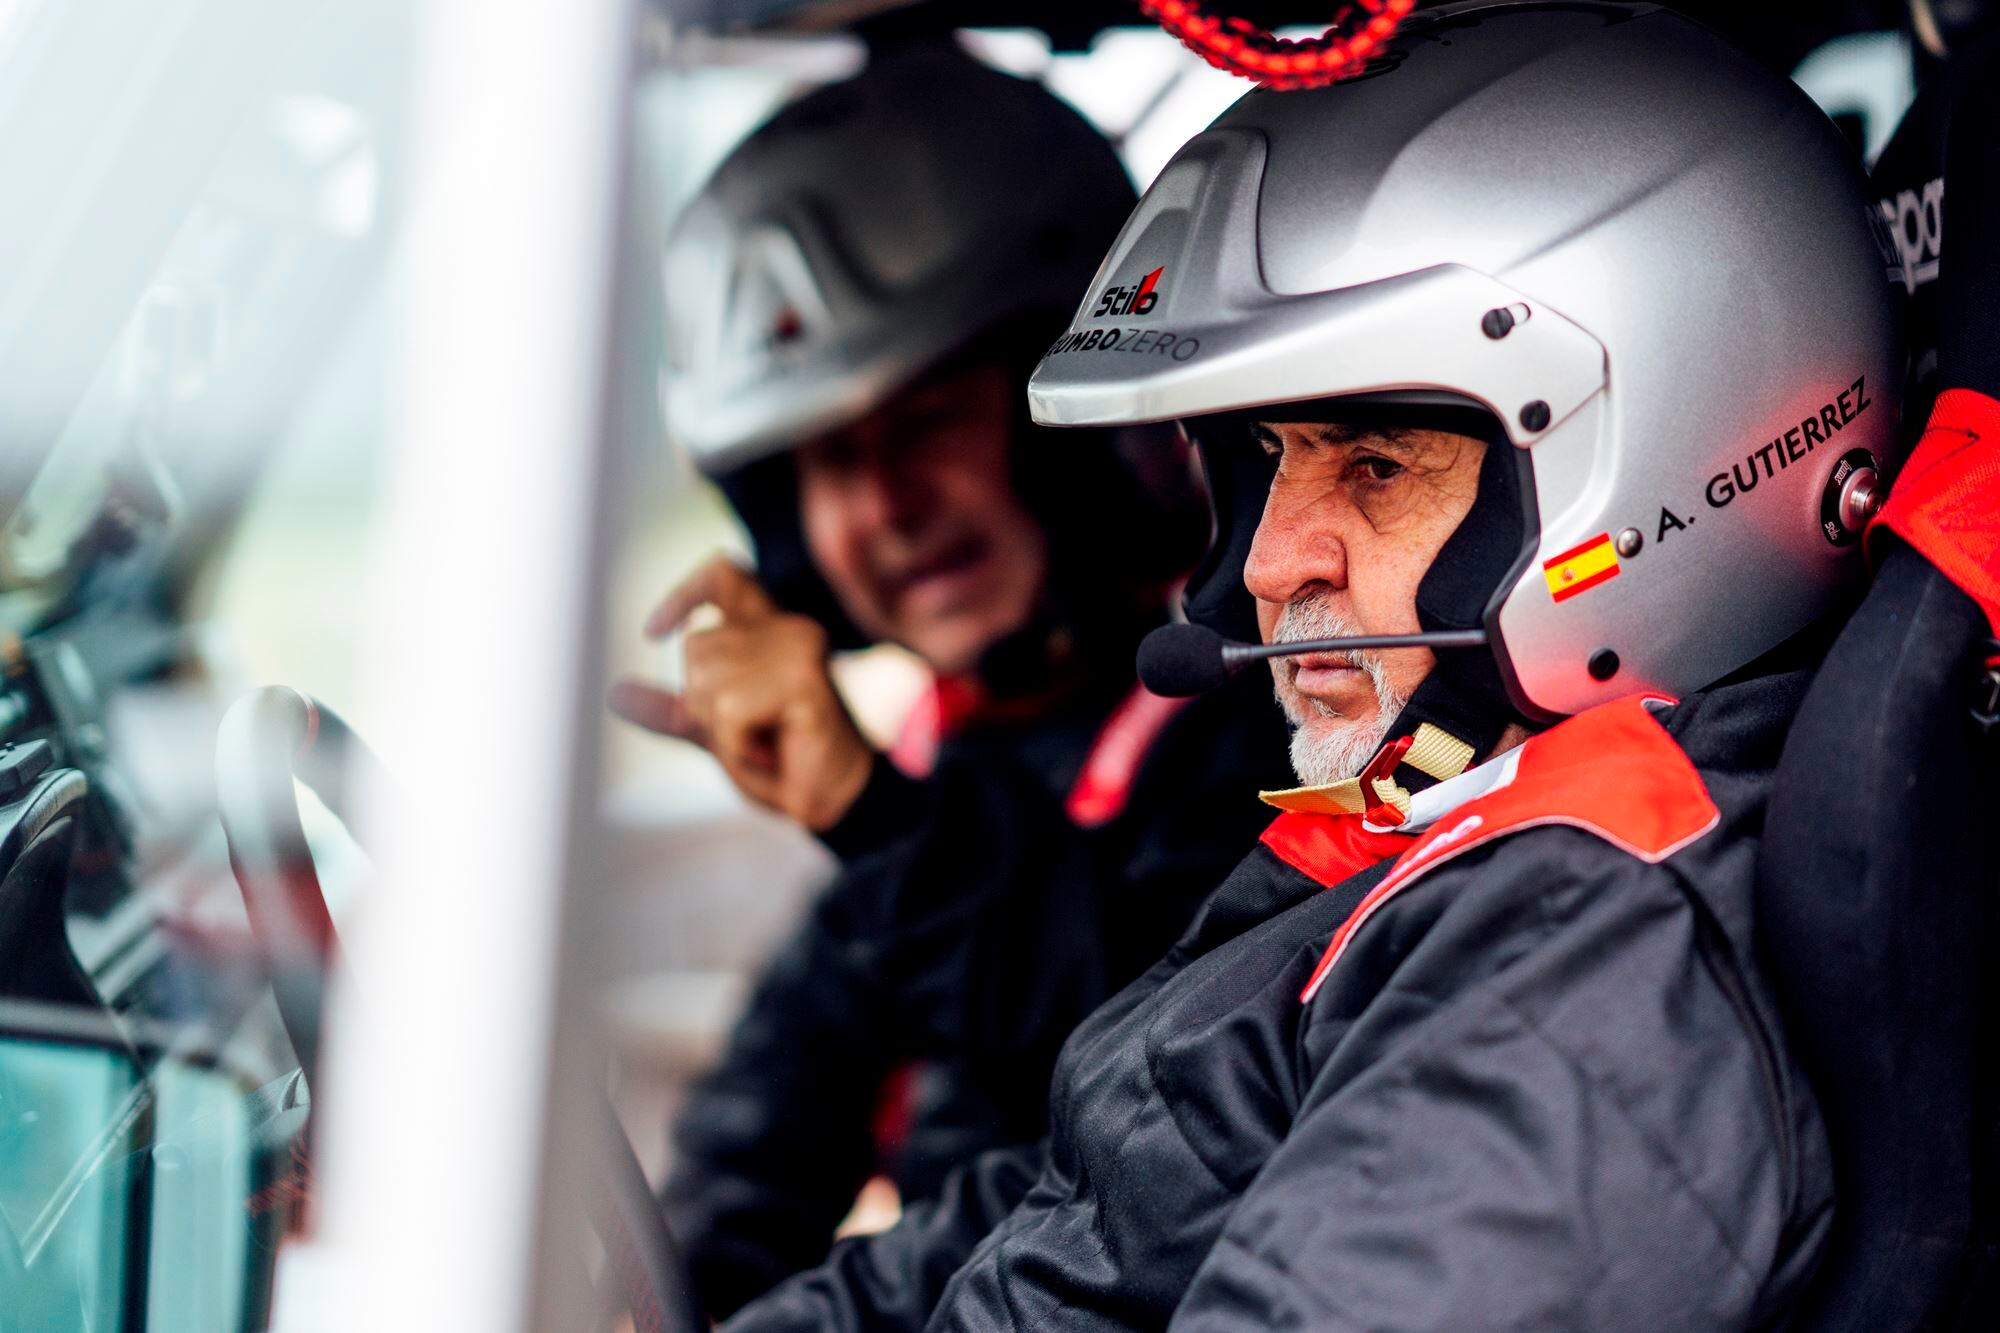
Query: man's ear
(1464,692)
(1484,550)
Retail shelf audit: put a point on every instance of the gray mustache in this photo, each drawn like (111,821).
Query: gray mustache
(1311,618)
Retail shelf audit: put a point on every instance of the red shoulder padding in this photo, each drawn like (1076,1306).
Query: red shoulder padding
(1946,502)
(1105,782)
(1330,848)
(1611,771)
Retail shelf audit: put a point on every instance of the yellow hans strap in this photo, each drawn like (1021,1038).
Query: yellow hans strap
(1436,753)
(1339,798)
(1433,751)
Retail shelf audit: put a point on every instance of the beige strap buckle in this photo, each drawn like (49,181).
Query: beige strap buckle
(1432,751)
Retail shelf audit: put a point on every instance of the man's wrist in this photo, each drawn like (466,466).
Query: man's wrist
(837,793)
(888,805)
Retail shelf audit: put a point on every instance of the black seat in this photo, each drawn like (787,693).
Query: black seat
(1876,915)
(1879,876)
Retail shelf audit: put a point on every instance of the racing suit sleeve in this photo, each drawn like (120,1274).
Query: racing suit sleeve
(1592,1134)
(891,806)
(772,1144)
(909,952)
(910,955)
(893,1280)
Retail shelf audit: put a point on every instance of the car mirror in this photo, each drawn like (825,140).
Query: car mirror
(140,1184)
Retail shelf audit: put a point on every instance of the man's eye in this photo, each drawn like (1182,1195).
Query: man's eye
(1377,468)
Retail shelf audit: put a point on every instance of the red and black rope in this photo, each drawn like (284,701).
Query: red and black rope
(1241,47)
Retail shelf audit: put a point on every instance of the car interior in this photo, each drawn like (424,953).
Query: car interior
(198,303)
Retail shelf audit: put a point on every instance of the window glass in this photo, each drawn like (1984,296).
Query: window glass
(199,316)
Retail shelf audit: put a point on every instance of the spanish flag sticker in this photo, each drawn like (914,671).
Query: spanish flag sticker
(1581,567)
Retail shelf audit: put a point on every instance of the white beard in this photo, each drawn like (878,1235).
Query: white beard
(1325,750)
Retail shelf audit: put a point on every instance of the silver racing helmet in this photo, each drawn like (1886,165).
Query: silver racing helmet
(1646,262)
(865,234)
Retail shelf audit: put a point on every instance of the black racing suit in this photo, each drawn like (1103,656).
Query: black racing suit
(1541,1087)
(973,924)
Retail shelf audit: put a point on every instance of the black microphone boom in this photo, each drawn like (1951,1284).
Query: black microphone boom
(1182,660)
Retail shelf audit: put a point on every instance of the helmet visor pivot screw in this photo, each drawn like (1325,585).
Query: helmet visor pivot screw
(1860,498)
(1535,416)
(1498,322)
(1630,542)
(1603,664)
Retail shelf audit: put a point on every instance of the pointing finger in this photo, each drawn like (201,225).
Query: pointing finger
(720,582)
(656,710)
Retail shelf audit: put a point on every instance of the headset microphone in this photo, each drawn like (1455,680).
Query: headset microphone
(1182,660)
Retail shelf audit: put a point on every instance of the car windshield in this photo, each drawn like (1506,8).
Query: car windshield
(197,313)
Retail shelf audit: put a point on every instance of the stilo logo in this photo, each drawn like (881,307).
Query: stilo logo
(1138,300)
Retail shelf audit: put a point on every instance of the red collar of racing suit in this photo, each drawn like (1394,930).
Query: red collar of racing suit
(1611,771)
(1103,784)
(939,713)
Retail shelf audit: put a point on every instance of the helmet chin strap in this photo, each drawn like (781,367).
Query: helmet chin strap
(1443,708)
(1376,794)
(1464,697)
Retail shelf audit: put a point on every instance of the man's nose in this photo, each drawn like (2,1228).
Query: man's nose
(1297,549)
